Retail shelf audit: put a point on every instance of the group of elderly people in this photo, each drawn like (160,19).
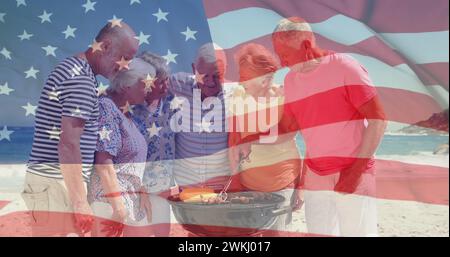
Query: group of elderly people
(132,140)
(116,155)
(143,149)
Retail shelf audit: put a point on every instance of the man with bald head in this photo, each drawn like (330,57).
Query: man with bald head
(66,133)
(112,43)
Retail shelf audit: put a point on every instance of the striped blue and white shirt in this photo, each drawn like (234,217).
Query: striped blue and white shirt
(201,152)
(70,90)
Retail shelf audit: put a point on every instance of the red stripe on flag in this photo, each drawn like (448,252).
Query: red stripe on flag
(389,16)
(396,181)
(430,74)
(407,107)
(3,204)
(433,73)
(412,182)
(399,105)
(17,224)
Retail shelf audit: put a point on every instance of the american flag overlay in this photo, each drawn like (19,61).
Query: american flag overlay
(360,87)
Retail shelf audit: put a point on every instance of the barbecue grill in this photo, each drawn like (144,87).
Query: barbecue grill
(229,219)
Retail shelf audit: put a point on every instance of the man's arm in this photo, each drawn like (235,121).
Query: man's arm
(181,84)
(374,114)
(376,118)
(70,158)
(362,94)
(71,168)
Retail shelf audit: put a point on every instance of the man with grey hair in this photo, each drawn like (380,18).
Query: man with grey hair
(201,139)
(334,103)
(66,133)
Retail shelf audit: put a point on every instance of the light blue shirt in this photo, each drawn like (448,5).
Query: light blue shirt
(155,126)
(201,151)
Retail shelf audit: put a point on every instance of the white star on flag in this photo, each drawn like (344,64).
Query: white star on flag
(6,53)
(170,57)
(115,22)
(160,15)
(5,133)
(199,77)
(5,90)
(31,73)
(126,108)
(77,112)
(149,83)
(76,71)
(154,130)
(21,2)
(104,134)
(89,6)
(101,89)
(135,2)
(69,32)
(45,17)
(53,95)
(54,133)
(50,50)
(25,36)
(143,39)
(96,46)
(2,17)
(30,109)
(123,64)
(189,34)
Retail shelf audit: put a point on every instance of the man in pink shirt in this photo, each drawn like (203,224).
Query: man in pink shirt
(342,122)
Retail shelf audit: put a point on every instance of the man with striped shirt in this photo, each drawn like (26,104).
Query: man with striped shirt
(201,140)
(66,131)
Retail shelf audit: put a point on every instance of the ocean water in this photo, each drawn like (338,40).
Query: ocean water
(18,148)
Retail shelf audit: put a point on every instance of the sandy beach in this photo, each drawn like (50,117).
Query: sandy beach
(395,218)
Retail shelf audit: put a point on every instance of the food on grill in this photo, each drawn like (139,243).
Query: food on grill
(207,196)
(248,197)
(214,200)
(197,195)
(202,198)
(241,199)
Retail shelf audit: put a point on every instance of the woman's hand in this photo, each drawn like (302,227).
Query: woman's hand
(104,166)
(114,227)
(146,206)
(297,200)
(237,155)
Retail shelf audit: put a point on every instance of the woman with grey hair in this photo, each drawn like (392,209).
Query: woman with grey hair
(115,186)
(153,120)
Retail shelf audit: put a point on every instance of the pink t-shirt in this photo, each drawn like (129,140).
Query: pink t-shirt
(325,104)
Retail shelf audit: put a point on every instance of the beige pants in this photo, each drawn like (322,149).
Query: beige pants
(48,202)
